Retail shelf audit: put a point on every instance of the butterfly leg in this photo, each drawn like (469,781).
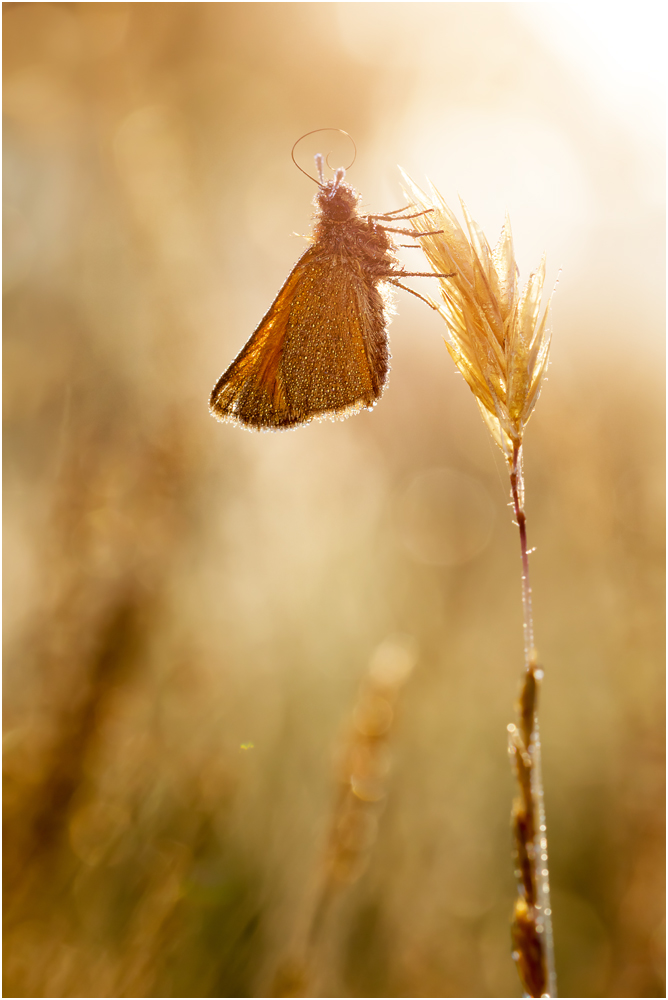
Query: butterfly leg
(424,274)
(388,215)
(410,232)
(398,284)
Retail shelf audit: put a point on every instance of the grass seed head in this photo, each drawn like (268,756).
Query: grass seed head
(496,335)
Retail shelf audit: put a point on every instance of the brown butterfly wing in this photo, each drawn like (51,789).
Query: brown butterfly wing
(249,391)
(321,349)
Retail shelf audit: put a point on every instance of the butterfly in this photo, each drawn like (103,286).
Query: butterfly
(322,348)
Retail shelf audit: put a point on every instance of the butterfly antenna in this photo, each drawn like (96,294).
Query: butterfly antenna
(319,159)
(321,169)
(338,177)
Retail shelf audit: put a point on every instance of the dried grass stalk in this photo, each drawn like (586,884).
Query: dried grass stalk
(500,343)
(362,773)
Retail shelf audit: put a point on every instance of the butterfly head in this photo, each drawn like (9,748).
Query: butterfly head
(336,200)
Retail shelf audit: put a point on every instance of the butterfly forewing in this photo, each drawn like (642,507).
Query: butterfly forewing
(320,350)
(249,391)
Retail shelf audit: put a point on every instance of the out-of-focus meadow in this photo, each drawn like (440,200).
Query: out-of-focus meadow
(192,610)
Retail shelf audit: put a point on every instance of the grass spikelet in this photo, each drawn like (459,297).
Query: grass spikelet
(496,335)
(500,342)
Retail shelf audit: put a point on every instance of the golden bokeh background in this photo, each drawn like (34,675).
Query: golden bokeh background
(191,609)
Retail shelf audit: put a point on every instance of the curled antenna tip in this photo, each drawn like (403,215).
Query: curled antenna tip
(319,158)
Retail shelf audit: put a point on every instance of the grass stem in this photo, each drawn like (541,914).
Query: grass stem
(533,949)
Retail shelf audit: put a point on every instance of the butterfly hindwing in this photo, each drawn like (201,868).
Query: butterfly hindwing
(335,342)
